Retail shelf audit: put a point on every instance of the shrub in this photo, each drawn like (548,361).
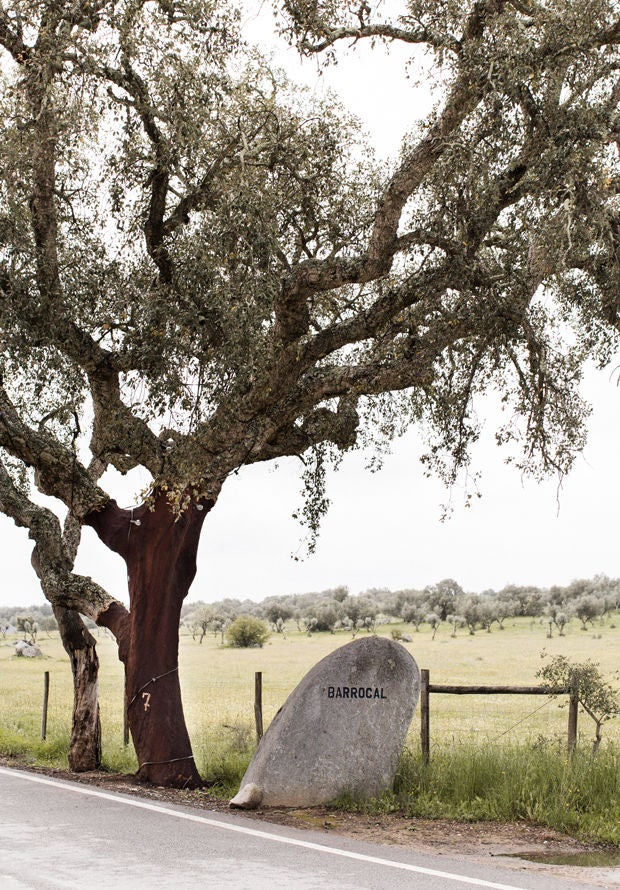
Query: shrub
(597,697)
(246,631)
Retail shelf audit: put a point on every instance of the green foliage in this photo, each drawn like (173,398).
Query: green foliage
(17,741)
(597,697)
(247,632)
(579,795)
(223,756)
(193,250)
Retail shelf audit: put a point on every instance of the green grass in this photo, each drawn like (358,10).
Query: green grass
(492,757)
(579,795)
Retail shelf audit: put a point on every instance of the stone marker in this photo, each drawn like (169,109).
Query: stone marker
(27,650)
(341,731)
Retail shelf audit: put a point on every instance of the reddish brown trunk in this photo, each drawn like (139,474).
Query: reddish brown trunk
(85,744)
(160,551)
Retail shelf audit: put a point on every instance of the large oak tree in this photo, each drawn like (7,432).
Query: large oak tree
(202,268)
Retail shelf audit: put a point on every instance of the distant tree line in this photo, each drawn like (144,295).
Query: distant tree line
(28,622)
(443,603)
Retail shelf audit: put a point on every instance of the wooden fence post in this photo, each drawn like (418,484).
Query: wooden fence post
(46,696)
(425,682)
(125,722)
(258,704)
(573,710)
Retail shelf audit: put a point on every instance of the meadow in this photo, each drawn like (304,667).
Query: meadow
(481,746)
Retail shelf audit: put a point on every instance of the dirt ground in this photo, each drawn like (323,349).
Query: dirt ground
(477,840)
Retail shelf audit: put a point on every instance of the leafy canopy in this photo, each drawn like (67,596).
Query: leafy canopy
(201,265)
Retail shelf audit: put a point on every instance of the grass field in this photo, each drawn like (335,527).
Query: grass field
(218,689)
(218,683)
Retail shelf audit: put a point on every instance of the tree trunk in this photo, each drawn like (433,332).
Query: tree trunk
(85,744)
(159,549)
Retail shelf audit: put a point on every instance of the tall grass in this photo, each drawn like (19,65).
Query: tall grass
(577,794)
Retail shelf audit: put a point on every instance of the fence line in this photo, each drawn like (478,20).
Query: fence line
(426,688)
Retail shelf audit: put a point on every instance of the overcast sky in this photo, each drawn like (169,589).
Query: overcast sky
(385,529)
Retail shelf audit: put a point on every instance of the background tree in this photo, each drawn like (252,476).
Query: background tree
(529,599)
(505,608)
(349,625)
(433,620)
(587,608)
(470,609)
(309,623)
(340,593)
(414,613)
(395,602)
(327,615)
(27,626)
(200,621)
(201,269)
(558,616)
(455,621)
(220,625)
(487,611)
(442,597)
(277,613)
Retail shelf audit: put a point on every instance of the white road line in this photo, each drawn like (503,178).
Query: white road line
(253,832)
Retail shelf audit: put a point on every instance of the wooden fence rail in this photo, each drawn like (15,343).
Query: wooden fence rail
(426,688)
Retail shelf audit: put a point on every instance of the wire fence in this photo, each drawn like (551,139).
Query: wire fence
(427,688)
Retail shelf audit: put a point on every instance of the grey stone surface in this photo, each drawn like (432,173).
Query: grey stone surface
(27,650)
(249,797)
(340,731)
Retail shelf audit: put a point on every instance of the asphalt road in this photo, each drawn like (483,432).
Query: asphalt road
(57,834)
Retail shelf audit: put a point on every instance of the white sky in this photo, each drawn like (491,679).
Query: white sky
(384,529)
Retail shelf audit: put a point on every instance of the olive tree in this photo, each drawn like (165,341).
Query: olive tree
(596,695)
(201,269)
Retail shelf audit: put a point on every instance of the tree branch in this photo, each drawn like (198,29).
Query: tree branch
(50,560)
(57,471)
(313,276)
(12,39)
(384,29)
(319,425)
(130,81)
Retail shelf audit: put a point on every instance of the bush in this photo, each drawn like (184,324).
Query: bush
(246,632)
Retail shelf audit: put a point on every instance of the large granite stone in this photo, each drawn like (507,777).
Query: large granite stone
(341,731)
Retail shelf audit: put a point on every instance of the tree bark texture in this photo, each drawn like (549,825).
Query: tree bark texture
(80,645)
(159,549)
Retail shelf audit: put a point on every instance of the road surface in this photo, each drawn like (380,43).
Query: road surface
(59,835)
